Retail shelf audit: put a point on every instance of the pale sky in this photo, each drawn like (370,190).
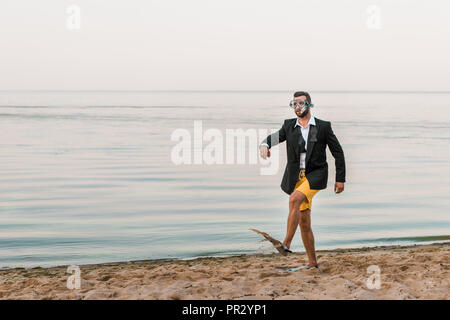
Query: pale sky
(225,45)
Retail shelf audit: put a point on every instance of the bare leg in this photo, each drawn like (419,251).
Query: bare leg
(307,236)
(295,200)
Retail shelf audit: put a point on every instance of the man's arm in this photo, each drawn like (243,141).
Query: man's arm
(275,138)
(339,159)
(272,140)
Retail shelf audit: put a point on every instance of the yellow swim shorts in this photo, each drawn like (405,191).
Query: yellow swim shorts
(303,186)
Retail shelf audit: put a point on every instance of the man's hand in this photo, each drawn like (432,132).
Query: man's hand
(338,187)
(264,152)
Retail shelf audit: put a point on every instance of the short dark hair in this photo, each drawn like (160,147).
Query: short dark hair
(303,93)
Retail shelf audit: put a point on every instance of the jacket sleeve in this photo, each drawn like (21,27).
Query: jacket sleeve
(275,138)
(338,154)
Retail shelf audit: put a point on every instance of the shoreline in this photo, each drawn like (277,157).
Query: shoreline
(406,272)
(351,249)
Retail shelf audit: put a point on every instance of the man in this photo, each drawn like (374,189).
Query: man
(306,170)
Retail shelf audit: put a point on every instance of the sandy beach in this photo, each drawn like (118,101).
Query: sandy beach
(415,272)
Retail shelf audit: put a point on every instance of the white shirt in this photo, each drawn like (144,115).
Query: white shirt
(305,132)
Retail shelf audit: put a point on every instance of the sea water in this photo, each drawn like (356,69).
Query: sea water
(89,177)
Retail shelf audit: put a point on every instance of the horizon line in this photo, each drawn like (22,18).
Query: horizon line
(232,91)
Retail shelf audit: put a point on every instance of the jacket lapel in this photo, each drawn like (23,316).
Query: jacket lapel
(296,137)
(312,139)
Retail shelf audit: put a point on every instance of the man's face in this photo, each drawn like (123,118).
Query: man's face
(298,109)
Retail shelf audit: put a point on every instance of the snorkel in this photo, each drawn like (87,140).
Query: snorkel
(305,108)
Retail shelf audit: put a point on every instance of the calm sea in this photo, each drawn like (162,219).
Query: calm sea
(87,177)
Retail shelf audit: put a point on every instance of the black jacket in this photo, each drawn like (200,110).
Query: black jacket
(320,135)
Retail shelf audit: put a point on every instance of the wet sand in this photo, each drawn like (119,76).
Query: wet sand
(415,272)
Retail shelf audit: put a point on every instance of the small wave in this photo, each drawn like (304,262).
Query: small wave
(413,239)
